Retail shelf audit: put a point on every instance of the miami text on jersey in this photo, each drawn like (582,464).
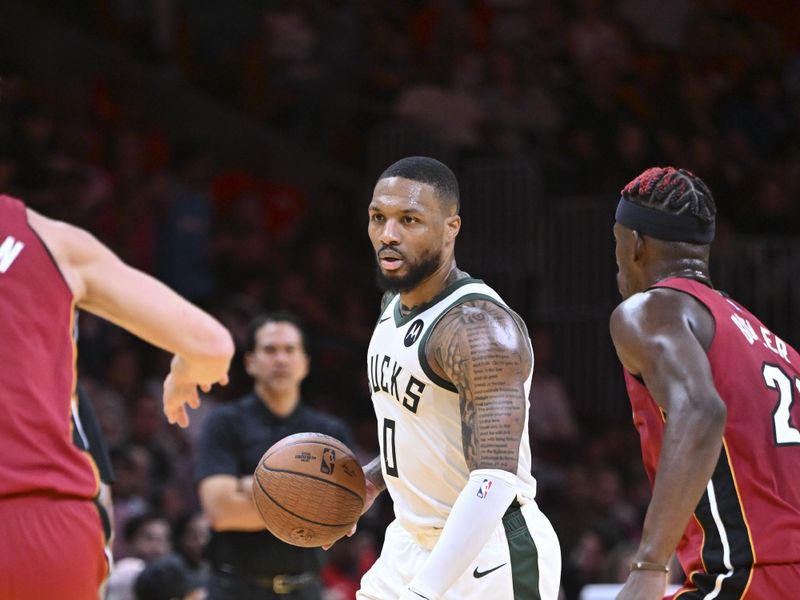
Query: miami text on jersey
(9,251)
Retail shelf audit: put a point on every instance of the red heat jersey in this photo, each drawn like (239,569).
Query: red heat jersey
(750,512)
(37,368)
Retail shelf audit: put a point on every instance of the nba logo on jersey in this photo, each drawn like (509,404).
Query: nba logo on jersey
(484,489)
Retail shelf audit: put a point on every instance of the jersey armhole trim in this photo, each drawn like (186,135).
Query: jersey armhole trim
(700,301)
(385,309)
(400,319)
(50,254)
(423,360)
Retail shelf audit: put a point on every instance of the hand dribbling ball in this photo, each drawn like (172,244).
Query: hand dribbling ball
(309,489)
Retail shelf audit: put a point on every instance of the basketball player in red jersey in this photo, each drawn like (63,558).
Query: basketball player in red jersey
(51,536)
(713,393)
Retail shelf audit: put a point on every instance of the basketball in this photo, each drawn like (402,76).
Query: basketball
(309,489)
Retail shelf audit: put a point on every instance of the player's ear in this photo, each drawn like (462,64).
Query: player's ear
(452,225)
(638,245)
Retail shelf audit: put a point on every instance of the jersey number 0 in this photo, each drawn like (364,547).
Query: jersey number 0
(389,450)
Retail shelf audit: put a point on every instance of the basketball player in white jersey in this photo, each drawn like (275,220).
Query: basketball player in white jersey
(450,369)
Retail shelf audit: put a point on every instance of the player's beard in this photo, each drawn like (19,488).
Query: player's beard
(416,273)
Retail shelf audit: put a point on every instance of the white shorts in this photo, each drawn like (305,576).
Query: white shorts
(521,560)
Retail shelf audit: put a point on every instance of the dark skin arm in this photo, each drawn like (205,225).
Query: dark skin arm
(484,351)
(662,336)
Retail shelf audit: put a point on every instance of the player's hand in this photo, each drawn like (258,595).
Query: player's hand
(180,390)
(644,585)
(348,534)
(369,498)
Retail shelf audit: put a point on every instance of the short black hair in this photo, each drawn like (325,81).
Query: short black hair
(180,526)
(277,316)
(137,523)
(672,190)
(427,170)
(165,578)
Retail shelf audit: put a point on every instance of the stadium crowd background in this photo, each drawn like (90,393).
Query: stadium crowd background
(585,93)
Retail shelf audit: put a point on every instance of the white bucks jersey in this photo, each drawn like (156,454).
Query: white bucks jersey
(419,417)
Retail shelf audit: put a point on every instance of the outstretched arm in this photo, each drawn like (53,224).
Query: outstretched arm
(656,337)
(482,350)
(104,285)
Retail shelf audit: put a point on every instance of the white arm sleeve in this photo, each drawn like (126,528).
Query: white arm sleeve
(478,510)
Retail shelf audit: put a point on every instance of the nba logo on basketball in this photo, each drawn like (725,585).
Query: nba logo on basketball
(484,489)
(328,462)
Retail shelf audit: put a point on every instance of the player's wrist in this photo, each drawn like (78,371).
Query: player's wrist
(374,475)
(649,554)
(180,370)
(656,567)
(372,488)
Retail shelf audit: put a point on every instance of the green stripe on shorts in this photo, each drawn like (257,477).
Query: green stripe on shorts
(524,556)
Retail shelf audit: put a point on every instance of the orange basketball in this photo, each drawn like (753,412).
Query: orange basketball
(309,489)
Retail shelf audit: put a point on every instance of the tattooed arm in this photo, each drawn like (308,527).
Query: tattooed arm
(483,350)
(480,347)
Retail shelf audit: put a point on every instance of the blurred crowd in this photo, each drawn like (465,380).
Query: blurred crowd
(592,91)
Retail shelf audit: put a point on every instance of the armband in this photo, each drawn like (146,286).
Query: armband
(640,565)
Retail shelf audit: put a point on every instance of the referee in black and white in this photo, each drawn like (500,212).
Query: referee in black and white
(248,562)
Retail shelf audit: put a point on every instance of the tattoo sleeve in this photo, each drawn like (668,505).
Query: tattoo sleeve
(373,472)
(482,350)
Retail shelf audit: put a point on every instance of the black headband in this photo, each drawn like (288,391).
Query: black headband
(663,225)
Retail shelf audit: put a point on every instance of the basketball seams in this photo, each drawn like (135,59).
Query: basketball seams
(287,511)
(320,479)
(306,507)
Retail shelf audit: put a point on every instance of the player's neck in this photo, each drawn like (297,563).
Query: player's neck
(429,288)
(690,269)
(280,404)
